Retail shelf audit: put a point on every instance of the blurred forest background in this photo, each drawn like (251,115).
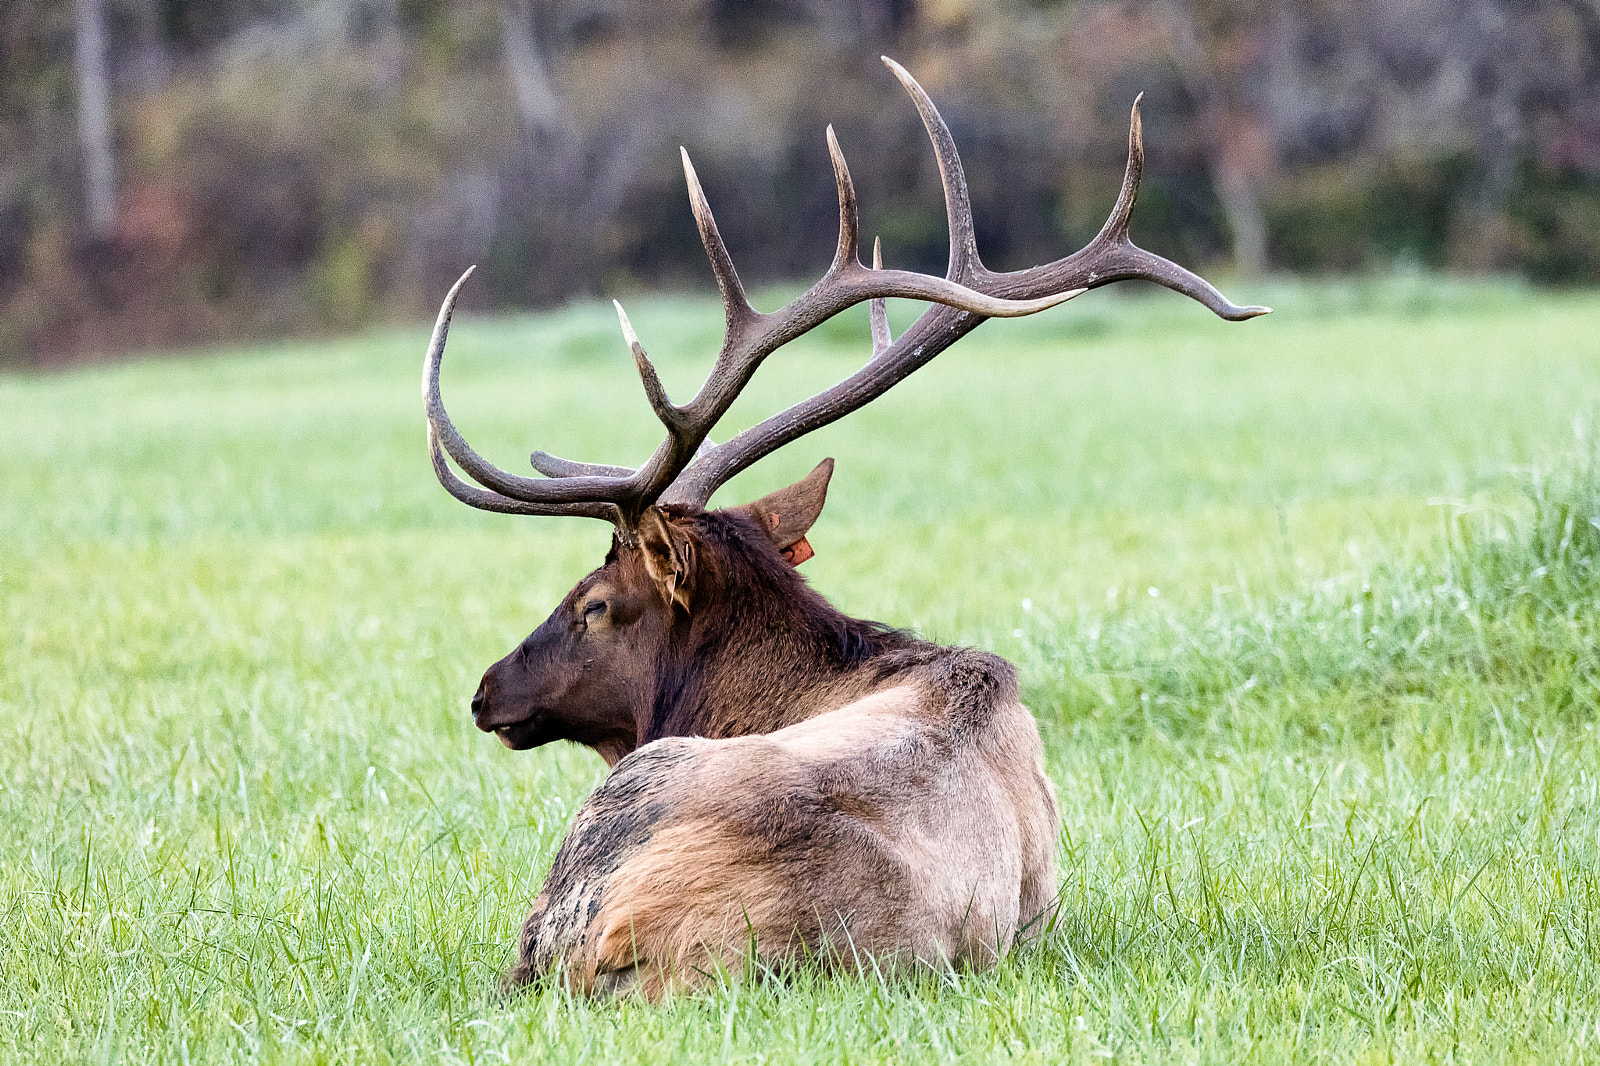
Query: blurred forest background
(182,171)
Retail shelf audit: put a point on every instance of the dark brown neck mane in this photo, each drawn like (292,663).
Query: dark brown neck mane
(765,649)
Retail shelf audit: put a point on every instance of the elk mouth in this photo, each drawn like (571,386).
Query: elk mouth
(518,736)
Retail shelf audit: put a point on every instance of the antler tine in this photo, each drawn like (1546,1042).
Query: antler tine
(957,202)
(878,309)
(501,492)
(555,466)
(486,500)
(1112,255)
(1116,224)
(849,225)
(951,295)
(670,414)
(441,429)
(735,305)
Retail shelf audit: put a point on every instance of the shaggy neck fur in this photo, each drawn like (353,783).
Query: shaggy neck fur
(761,650)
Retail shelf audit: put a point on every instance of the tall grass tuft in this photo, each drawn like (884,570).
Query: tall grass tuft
(1544,565)
(1511,604)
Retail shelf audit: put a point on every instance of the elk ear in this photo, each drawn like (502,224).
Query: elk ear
(668,556)
(787,514)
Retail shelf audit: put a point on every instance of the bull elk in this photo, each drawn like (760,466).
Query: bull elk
(787,783)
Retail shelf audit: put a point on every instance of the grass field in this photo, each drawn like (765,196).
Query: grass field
(1306,608)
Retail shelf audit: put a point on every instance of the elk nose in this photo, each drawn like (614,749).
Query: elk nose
(480,698)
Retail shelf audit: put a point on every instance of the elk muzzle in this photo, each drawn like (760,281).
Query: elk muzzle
(514,721)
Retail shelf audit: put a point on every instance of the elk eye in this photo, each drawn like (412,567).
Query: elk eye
(593,609)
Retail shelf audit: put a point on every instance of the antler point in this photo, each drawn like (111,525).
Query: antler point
(902,73)
(627,328)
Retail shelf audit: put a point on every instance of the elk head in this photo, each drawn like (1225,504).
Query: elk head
(639,631)
(658,607)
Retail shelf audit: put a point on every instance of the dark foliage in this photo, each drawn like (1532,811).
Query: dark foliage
(288,166)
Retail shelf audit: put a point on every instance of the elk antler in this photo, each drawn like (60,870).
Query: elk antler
(686,468)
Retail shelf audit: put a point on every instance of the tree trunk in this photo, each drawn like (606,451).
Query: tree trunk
(1235,146)
(532,89)
(1247,222)
(94,120)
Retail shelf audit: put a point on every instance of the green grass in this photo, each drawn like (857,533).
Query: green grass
(1306,608)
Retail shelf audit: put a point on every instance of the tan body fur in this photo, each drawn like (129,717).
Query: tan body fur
(914,824)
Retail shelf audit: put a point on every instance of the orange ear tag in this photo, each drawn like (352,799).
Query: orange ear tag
(798,552)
